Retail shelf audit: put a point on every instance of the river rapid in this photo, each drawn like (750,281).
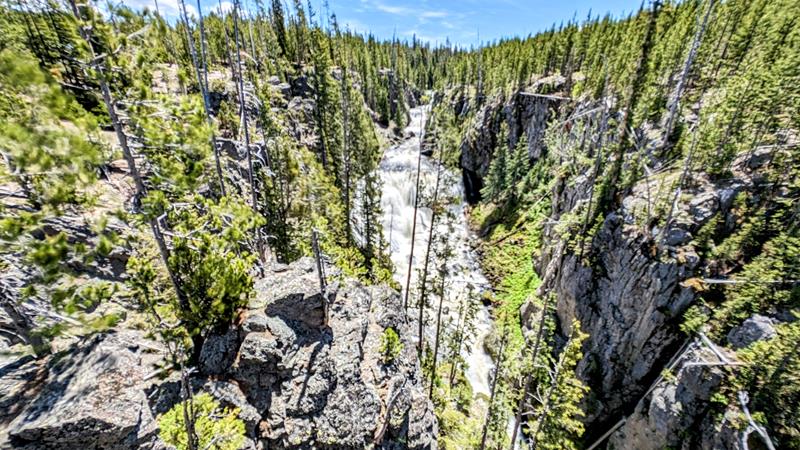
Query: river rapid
(398,172)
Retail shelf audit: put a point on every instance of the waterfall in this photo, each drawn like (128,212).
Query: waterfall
(398,174)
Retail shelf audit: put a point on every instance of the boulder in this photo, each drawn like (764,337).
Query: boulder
(91,398)
(677,236)
(216,356)
(674,412)
(316,384)
(756,328)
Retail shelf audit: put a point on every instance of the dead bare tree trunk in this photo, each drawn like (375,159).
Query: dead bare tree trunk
(673,107)
(140,190)
(459,338)
(346,151)
(323,285)
(170,44)
(243,108)
(529,378)
(438,325)
(202,81)
(188,410)
(687,164)
(423,281)
(493,391)
(413,224)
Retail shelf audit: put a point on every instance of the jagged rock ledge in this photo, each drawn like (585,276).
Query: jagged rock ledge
(297,382)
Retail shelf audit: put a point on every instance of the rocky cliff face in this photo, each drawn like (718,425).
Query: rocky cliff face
(318,385)
(632,296)
(298,380)
(93,397)
(676,413)
(521,113)
(632,286)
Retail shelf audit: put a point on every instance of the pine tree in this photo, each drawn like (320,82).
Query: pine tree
(495,183)
(53,166)
(558,424)
(517,164)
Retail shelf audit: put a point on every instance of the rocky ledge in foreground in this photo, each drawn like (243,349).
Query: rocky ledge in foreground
(297,382)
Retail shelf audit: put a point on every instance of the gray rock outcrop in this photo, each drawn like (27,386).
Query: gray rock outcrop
(672,415)
(751,330)
(312,384)
(521,113)
(91,398)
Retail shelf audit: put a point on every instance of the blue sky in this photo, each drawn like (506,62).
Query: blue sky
(461,20)
(435,21)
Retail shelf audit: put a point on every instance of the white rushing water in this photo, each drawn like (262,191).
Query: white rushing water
(398,171)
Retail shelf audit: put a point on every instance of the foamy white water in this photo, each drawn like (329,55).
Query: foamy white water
(398,171)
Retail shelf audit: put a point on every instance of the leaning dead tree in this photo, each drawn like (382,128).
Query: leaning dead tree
(422,301)
(202,81)
(442,293)
(414,221)
(97,63)
(323,284)
(682,81)
(529,379)
(493,391)
(243,108)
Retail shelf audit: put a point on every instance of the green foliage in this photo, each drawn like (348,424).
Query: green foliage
(759,285)
(216,428)
(694,319)
(213,272)
(391,346)
(772,376)
(561,426)
(50,154)
(496,180)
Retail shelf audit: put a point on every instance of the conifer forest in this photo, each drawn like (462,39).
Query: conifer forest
(247,225)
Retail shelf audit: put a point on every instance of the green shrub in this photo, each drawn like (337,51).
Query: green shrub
(390,345)
(216,428)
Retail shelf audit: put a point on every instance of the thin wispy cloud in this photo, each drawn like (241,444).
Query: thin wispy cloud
(391,9)
(428,20)
(433,14)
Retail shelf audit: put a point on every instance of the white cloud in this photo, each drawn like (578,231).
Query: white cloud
(355,25)
(226,7)
(399,10)
(433,14)
(392,9)
(169,9)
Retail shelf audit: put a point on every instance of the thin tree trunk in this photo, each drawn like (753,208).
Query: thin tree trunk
(345,152)
(252,42)
(413,224)
(597,163)
(459,339)
(227,39)
(626,122)
(687,163)
(173,53)
(202,81)
(546,406)
(438,327)
(243,109)
(321,273)
(529,378)
(127,154)
(423,282)
(673,107)
(188,410)
(493,391)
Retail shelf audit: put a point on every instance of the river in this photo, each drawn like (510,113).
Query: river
(398,171)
